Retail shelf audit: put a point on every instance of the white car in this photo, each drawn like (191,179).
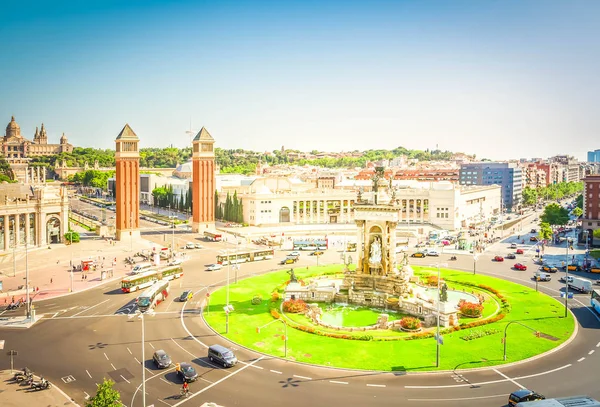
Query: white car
(175,262)
(432,252)
(190,245)
(198,246)
(214,267)
(294,253)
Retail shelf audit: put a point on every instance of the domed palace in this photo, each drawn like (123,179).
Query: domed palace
(17,149)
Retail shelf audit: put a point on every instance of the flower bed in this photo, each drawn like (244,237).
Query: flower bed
(410,324)
(294,306)
(470,309)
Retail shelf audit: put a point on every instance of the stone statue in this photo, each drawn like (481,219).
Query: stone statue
(293,278)
(444,293)
(359,194)
(375,252)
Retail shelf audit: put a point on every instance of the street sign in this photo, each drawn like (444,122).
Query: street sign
(439,339)
(12,353)
(562,295)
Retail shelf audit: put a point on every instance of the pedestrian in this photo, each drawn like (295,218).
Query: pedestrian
(13,299)
(51,280)
(57,261)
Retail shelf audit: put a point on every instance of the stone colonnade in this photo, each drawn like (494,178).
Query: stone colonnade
(317,211)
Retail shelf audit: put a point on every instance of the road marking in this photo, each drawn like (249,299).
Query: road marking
(55,314)
(165,381)
(276,371)
(88,373)
(375,385)
(152,346)
(171,303)
(302,377)
(150,371)
(590,352)
(129,351)
(124,378)
(87,309)
(196,357)
(257,367)
(162,401)
(462,398)
(506,377)
(580,359)
(490,381)
(87,396)
(113,366)
(138,362)
(337,382)
(598,345)
(106,356)
(207,381)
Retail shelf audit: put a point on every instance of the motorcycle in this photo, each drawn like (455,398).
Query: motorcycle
(453,258)
(22,375)
(14,305)
(43,384)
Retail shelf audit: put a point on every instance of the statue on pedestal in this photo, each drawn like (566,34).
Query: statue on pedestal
(375,252)
(293,278)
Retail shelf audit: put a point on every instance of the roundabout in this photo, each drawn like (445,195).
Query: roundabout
(472,342)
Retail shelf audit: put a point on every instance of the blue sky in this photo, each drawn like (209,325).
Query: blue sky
(501,79)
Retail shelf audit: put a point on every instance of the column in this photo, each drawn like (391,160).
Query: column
(342,219)
(6,233)
(16,231)
(312,208)
(421,211)
(27,240)
(41,229)
(296,211)
(304,211)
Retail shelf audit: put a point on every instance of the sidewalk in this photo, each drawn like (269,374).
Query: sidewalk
(18,395)
(50,269)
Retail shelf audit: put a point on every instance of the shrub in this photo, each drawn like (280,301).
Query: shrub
(256,300)
(294,306)
(410,323)
(275,296)
(72,237)
(471,309)
(479,334)
(432,280)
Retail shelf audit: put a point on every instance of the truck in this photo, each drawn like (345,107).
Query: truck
(581,284)
(213,236)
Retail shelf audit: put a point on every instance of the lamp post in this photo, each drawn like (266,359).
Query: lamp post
(14,248)
(438,339)
(27,280)
(567,280)
(474,262)
(227,299)
(140,315)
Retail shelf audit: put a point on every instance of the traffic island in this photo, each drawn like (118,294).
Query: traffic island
(469,342)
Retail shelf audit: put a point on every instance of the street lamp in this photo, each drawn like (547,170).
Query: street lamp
(12,221)
(227,300)
(474,262)
(567,280)
(140,315)
(438,339)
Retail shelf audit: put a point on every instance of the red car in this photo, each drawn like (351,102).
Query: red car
(498,258)
(520,266)
(519,251)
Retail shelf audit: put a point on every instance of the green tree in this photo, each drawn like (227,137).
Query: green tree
(530,196)
(545,232)
(596,234)
(579,201)
(72,237)
(554,215)
(217,215)
(577,211)
(160,196)
(105,396)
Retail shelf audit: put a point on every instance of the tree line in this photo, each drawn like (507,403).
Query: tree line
(165,198)
(232,210)
(553,192)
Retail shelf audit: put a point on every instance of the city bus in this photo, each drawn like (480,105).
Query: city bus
(243,256)
(153,295)
(595,300)
(136,282)
(214,236)
(311,244)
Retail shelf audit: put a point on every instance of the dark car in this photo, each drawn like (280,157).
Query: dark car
(187,372)
(186,295)
(523,395)
(161,359)
(510,256)
(533,239)
(533,231)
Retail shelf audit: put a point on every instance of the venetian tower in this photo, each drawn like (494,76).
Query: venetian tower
(127,184)
(203,181)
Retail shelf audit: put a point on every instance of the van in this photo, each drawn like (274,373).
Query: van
(218,353)
(140,268)
(581,284)
(541,276)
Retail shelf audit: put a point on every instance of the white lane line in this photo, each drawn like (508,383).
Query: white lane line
(275,371)
(87,309)
(55,314)
(162,401)
(490,381)
(106,356)
(171,303)
(152,346)
(598,345)
(580,359)
(508,378)
(217,382)
(257,367)
(337,382)
(150,371)
(129,351)
(88,373)
(113,366)
(462,398)
(302,377)
(165,381)
(375,385)
(207,381)
(138,362)
(125,379)
(590,352)
(87,396)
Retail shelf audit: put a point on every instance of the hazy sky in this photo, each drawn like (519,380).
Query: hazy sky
(501,79)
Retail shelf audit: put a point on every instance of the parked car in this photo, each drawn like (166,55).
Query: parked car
(510,256)
(161,359)
(523,395)
(520,266)
(186,295)
(513,245)
(174,262)
(519,251)
(187,372)
(498,258)
(432,252)
(214,267)
(418,254)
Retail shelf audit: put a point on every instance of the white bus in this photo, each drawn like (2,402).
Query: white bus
(153,296)
(595,301)
(243,256)
(136,282)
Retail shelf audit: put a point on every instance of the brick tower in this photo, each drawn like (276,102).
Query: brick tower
(127,184)
(203,181)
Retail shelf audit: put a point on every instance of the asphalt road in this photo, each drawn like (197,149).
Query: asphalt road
(91,335)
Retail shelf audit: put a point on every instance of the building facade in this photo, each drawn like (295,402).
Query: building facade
(203,181)
(593,156)
(127,196)
(507,175)
(32,215)
(17,149)
(590,220)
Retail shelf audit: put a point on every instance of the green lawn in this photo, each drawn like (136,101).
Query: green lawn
(534,309)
